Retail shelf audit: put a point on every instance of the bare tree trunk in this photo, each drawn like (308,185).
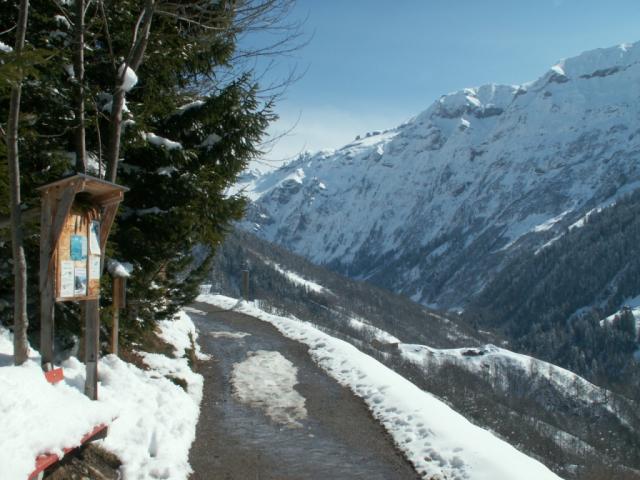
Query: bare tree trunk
(133,61)
(78,61)
(20,319)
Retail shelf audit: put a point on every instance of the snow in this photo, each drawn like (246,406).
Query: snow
(182,334)
(266,380)
(109,103)
(190,105)
(583,220)
(5,48)
(211,140)
(548,224)
(161,141)
(119,269)
(438,441)
(62,21)
(378,334)
(230,335)
(166,171)
(634,305)
(38,417)
(298,280)
(129,78)
(152,421)
(495,361)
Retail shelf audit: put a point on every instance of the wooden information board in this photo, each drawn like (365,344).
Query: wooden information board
(75,219)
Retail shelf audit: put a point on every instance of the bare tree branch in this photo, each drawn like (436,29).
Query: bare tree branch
(134,59)
(78,62)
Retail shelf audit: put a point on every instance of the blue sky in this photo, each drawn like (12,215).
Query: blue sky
(372,64)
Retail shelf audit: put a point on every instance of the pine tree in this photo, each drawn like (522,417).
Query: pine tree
(177,161)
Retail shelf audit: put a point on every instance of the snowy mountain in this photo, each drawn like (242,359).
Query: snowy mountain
(436,206)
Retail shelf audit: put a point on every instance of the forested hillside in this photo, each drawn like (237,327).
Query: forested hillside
(548,412)
(292,284)
(551,302)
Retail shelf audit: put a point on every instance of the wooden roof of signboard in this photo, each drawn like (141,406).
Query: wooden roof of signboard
(99,191)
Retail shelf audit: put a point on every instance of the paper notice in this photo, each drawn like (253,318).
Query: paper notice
(94,267)
(78,247)
(66,278)
(80,280)
(94,238)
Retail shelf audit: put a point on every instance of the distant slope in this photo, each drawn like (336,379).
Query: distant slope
(436,207)
(292,284)
(579,430)
(551,302)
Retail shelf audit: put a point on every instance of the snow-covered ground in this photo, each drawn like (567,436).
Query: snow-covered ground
(297,279)
(152,420)
(266,380)
(377,333)
(634,306)
(438,441)
(500,363)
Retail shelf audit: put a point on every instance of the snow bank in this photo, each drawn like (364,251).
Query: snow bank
(435,438)
(182,334)
(152,419)
(38,417)
(266,380)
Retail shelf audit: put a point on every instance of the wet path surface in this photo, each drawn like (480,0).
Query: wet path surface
(338,440)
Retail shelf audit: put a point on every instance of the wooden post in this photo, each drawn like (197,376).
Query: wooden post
(56,205)
(46,284)
(117,285)
(92,347)
(245,284)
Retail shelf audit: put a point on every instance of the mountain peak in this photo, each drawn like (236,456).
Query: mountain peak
(433,207)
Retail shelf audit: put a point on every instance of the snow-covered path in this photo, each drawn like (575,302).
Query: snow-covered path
(327,432)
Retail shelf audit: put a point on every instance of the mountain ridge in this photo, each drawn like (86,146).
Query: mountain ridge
(435,207)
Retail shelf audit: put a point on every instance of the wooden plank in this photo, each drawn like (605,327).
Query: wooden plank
(45,461)
(117,287)
(108,198)
(108,216)
(91,184)
(62,210)
(46,281)
(115,329)
(92,346)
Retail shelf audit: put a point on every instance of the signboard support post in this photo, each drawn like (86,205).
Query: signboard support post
(92,347)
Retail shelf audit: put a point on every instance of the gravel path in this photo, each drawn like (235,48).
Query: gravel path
(338,438)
